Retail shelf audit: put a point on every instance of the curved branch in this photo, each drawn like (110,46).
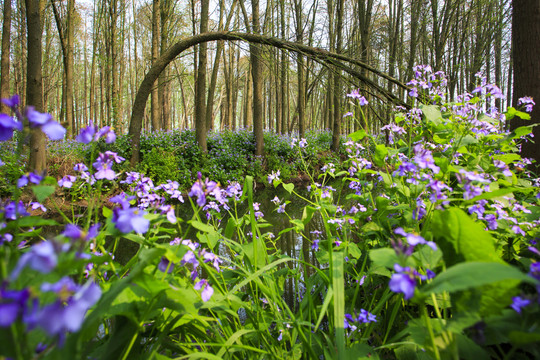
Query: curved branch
(330,58)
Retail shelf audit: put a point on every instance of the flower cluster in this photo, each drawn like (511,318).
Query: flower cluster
(353,322)
(70,302)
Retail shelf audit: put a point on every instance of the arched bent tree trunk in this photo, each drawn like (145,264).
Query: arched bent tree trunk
(320,55)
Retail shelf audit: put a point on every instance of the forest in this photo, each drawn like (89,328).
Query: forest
(336,179)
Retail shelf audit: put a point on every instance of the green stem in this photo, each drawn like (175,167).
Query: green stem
(431,334)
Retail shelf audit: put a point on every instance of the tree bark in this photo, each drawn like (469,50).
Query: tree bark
(526,52)
(4,67)
(155,111)
(200,89)
(256,72)
(34,96)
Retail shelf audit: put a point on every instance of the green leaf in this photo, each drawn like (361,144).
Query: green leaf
(472,275)
(379,155)
(358,135)
(354,251)
(338,283)
(30,221)
(432,113)
(468,140)
(42,192)
(298,225)
(106,211)
(384,257)
(462,239)
(307,214)
(201,226)
(289,187)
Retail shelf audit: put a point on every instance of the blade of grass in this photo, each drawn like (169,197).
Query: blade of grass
(339,303)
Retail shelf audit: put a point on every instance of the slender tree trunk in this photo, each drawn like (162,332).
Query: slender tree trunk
(300,69)
(256,71)
(4,67)
(200,89)
(336,136)
(34,92)
(155,118)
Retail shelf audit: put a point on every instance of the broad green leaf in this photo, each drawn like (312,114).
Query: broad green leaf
(358,135)
(462,239)
(468,140)
(379,155)
(469,275)
(354,251)
(384,257)
(289,187)
(432,113)
(42,192)
(106,212)
(307,214)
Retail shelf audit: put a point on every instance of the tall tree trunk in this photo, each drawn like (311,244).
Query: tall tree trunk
(156,8)
(200,89)
(300,69)
(34,96)
(164,90)
(336,135)
(4,67)
(256,71)
(526,52)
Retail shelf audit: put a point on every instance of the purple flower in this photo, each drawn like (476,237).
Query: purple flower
(129,219)
(281,208)
(12,102)
(87,134)
(35,205)
(103,165)
(207,290)
(413,239)
(67,181)
(68,311)
(7,126)
(51,128)
(209,257)
(74,232)
(108,133)
(41,257)
(276,200)
(519,303)
(12,305)
(403,282)
(80,167)
(201,188)
(528,102)
(31,177)
(302,143)
(366,317)
(164,265)
(355,94)
(12,210)
(424,159)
